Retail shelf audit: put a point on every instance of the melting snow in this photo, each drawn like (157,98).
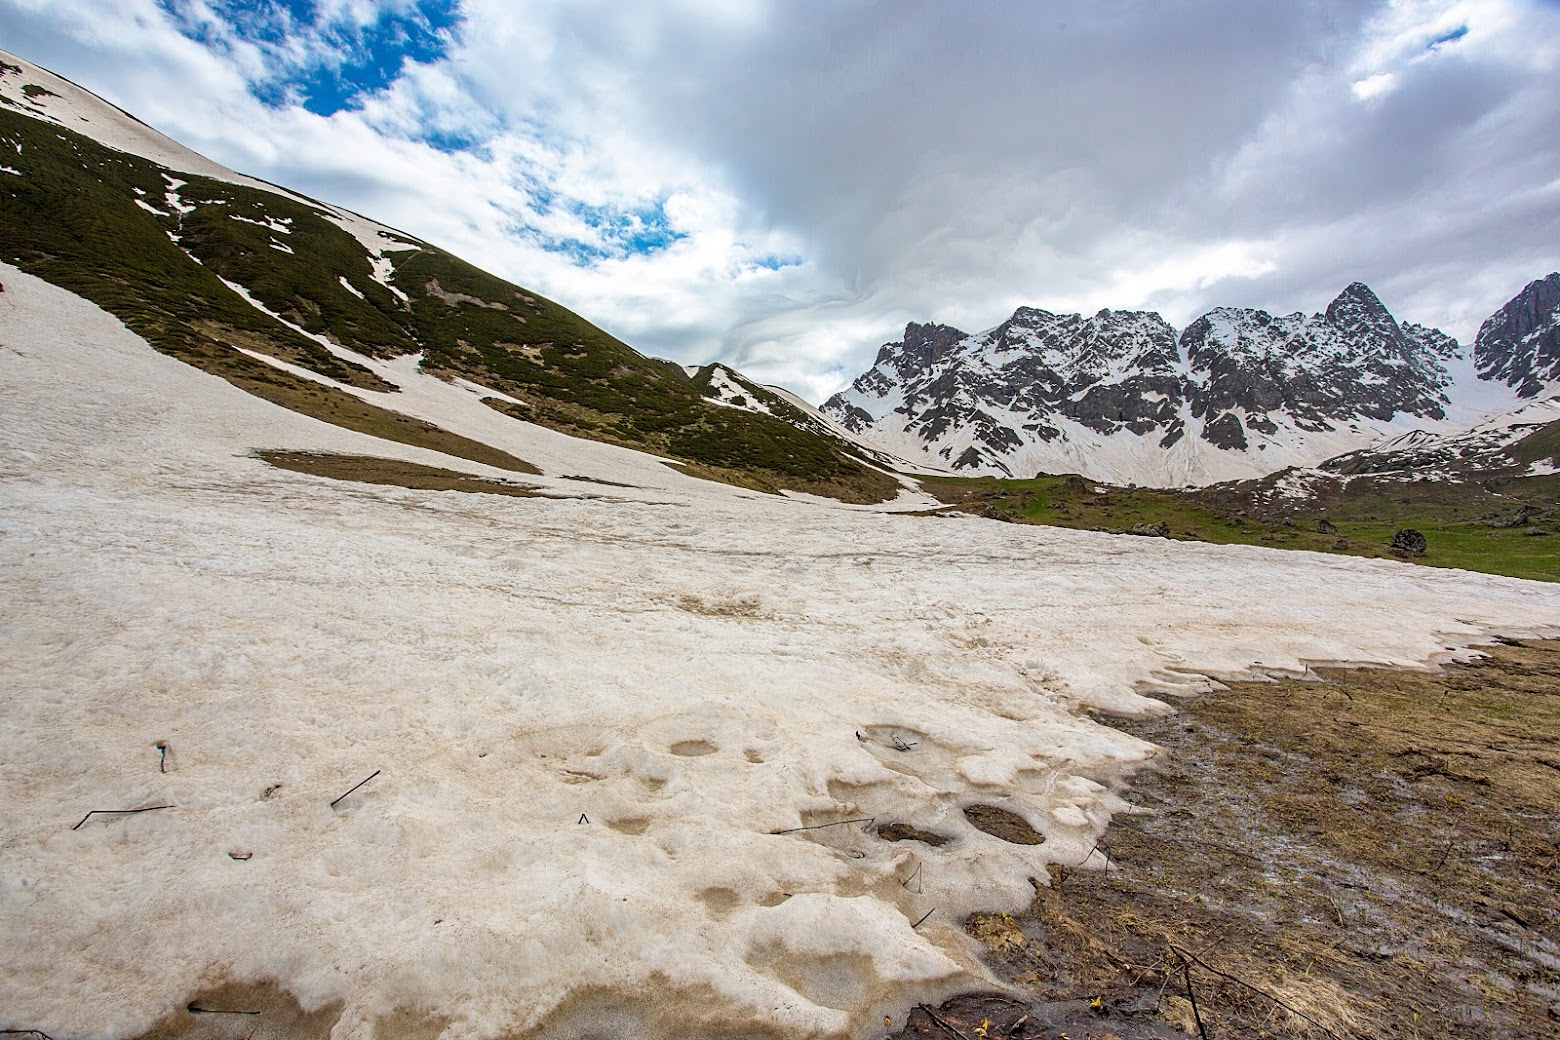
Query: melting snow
(283,226)
(375,238)
(591,714)
(383,270)
(171,196)
(728,392)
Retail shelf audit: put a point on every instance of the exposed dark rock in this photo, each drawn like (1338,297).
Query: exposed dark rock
(1326,527)
(1225,432)
(1408,542)
(1519,345)
(851,417)
(1354,361)
(1159,530)
(1521,517)
(969,460)
(1116,371)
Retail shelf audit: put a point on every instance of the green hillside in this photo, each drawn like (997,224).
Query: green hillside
(101,223)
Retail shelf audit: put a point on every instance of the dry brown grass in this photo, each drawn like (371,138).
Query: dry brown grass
(372,469)
(1370,853)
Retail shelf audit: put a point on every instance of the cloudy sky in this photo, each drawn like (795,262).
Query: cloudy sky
(782,184)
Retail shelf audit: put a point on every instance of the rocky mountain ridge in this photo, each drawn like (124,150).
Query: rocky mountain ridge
(1121,396)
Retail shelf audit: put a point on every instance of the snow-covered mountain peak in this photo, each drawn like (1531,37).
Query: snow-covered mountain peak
(1239,393)
(1359,311)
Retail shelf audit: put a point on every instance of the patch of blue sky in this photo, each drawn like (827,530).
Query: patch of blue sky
(542,197)
(1447,37)
(619,232)
(468,140)
(343,59)
(776,262)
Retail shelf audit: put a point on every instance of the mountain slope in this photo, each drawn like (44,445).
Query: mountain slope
(227,273)
(1519,345)
(1121,397)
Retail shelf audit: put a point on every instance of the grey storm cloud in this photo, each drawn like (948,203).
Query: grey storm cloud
(915,160)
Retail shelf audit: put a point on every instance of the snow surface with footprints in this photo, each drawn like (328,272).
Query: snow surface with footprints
(600,720)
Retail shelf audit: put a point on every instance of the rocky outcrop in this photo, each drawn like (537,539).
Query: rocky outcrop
(1519,345)
(1408,542)
(1253,371)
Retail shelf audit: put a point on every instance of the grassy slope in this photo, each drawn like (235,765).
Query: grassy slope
(582,381)
(72,219)
(1366,513)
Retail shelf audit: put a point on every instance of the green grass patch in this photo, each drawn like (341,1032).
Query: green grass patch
(1448,515)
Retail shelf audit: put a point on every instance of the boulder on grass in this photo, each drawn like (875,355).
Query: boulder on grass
(1408,542)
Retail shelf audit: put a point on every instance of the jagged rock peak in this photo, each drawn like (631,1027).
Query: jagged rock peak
(1519,345)
(923,347)
(1358,303)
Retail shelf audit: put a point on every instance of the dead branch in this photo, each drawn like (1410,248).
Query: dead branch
(1194,959)
(111,812)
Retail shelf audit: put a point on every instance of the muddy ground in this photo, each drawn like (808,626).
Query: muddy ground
(1364,853)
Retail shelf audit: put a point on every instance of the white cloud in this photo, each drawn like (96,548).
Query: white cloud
(1374,86)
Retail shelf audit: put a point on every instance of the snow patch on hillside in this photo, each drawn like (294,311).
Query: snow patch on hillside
(383,271)
(281,226)
(733,394)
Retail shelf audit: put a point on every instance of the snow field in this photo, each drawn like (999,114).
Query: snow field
(688,667)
